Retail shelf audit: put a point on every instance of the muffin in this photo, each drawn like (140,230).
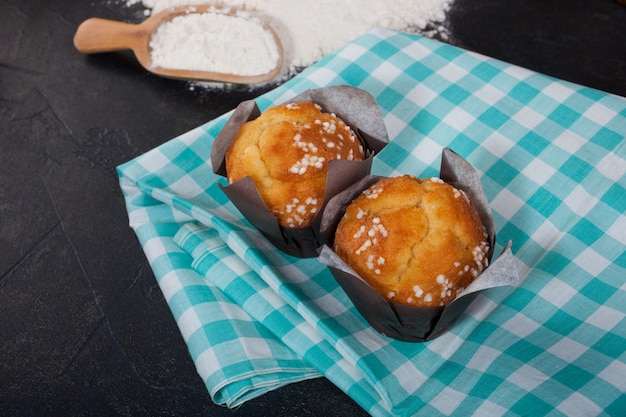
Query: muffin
(417,242)
(285,163)
(286,152)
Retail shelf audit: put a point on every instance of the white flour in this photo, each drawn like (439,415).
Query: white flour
(215,42)
(311,29)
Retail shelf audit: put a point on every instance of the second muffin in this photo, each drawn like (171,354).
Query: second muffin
(416,242)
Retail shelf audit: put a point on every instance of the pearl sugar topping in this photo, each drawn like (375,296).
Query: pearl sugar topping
(335,134)
(314,157)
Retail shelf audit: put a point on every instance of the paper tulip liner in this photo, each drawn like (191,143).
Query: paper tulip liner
(401,321)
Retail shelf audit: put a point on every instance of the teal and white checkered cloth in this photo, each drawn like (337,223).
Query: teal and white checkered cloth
(552,161)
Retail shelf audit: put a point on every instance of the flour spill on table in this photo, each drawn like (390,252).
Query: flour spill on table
(310,30)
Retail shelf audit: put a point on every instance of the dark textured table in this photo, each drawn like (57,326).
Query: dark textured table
(85,329)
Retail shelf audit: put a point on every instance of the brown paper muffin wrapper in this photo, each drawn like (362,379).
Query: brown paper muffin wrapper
(359,110)
(401,321)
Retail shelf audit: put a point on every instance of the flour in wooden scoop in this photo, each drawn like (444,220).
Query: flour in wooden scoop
(215,42)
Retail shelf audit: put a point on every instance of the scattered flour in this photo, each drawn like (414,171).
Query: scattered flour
(216,42)
(311,29)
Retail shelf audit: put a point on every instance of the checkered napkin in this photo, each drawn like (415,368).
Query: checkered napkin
(553,165)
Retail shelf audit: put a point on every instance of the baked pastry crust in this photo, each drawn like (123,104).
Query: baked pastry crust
(415,241)
(286,152)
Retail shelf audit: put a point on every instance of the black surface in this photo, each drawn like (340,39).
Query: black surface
(85,329)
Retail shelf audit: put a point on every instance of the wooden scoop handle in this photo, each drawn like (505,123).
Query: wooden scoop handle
(102,35)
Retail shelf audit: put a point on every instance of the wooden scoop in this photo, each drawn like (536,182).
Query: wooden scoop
(97,35)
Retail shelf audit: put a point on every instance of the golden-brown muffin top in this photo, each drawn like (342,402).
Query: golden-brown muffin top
(286,152)
(415,241)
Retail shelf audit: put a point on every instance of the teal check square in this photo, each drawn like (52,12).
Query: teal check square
(544,202)
(562,323)
(586,231)
(502,172)
(564,116)
(531,405)
(607,138)
(598,291)
(615,197)
(524,92)
(534,143)
(576,168)
(610,345)
(486,71)
(494,118)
